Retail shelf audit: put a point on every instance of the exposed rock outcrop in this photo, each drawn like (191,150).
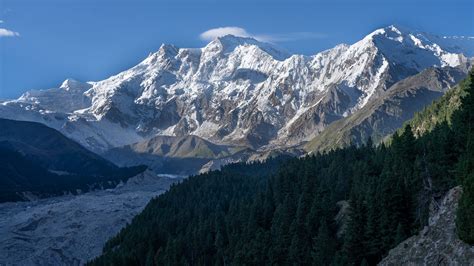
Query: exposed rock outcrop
(437,243)
(342,217)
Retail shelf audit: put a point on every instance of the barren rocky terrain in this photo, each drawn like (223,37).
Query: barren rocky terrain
(437,243)
(69,230)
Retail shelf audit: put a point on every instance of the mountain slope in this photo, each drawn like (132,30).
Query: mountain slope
(383,116)
(441,110)
(182,147)
(177,155)
(51,149)
(39,161)
(19,174)
(236,91)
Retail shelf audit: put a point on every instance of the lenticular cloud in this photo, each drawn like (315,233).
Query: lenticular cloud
(211,34)
(8,33)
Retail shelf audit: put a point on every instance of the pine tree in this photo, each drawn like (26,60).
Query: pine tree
(300,241)
(465,213)
(324,245)
(280,234)
(372,238)
(354,236)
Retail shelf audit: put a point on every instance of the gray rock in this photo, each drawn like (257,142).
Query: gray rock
(342,217)
(437,243)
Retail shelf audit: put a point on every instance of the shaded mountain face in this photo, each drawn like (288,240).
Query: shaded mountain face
(383,116)
(40,161)
(51,149)
(236,91)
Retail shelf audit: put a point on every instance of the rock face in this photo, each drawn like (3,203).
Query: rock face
(384,115)
(342,218)
(236,91)
(437,243)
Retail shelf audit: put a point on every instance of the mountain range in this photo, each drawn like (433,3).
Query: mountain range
(238,94)
(408,202)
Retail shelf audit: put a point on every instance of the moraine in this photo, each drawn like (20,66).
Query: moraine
(70,230)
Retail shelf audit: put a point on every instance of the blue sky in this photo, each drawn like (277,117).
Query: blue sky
(43,42)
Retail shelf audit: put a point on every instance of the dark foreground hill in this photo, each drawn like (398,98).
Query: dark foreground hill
(40,161)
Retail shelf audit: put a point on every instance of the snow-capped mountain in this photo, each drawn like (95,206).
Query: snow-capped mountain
(237,90)
(384,115)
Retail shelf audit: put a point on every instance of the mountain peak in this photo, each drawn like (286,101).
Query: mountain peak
(398,28)
(393,32)
(72,84)
(412,48)
(228,43)
(168,48)
(165,50)
(234,38)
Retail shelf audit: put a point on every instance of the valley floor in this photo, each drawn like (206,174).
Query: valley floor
(69,230)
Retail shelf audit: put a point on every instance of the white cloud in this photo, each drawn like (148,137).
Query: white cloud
(8,33)
(211,34)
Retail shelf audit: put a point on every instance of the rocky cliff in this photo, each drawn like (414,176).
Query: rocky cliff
(437,243)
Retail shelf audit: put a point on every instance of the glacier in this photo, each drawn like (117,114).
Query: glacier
(72,229)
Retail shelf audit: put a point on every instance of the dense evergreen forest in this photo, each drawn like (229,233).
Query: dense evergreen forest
(283,211)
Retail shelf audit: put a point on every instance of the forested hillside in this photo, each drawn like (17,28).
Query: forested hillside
(440,110)
(283,211)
